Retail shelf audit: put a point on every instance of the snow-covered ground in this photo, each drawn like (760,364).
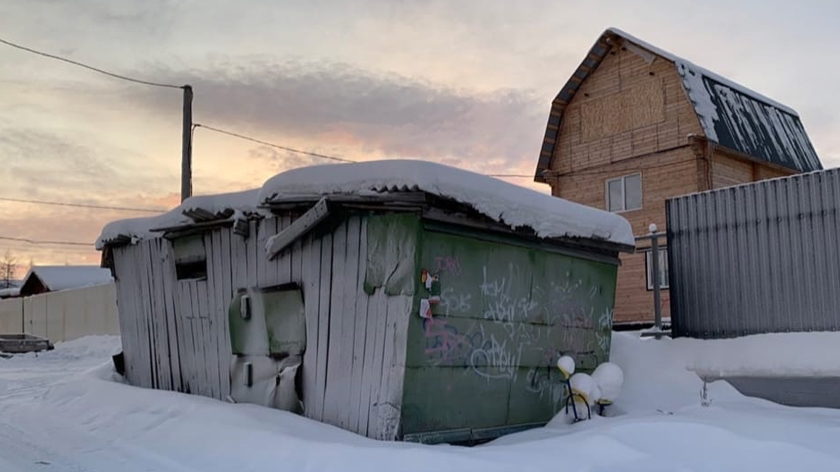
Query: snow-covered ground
(66,410)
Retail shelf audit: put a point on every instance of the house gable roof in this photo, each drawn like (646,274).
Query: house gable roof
(55,278)
(731,115)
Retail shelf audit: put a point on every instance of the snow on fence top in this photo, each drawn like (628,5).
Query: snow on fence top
(512,205)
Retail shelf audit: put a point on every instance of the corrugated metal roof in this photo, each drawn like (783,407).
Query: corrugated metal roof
(755,128)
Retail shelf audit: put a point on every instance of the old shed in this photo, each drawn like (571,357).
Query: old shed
(397,299)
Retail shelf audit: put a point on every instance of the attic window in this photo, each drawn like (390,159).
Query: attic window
(190,258)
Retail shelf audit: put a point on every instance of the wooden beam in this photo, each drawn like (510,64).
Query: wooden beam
(299,228)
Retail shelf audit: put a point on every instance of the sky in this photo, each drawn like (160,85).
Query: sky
(465,83)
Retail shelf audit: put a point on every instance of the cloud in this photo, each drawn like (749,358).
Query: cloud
(43,163)
(361,113)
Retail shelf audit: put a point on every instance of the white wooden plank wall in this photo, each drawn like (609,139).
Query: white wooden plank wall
(154,270)
(325,276)
(147,372)
(310,274)
(358,413)
(226,292)
(334,390)
(347,314)
(165,284)
(177,336)
(128,331)
(393,368)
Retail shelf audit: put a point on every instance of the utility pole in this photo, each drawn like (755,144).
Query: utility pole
(186,146)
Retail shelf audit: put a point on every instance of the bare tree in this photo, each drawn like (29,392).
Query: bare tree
(8,267)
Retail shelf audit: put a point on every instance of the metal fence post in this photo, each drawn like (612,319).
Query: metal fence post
(656,274)
(657,295)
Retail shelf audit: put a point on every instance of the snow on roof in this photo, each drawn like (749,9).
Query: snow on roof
(9,292)
(512,205)
(57,278)
(222,206)
(701,70)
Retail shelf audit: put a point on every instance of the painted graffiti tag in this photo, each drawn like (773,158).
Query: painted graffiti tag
(448,264)
(493,360)
(453,303)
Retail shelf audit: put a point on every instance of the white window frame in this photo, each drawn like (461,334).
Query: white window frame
(623,193)
(663,257)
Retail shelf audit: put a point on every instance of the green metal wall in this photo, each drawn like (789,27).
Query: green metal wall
(507,312)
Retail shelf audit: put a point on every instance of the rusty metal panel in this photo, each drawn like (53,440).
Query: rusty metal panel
(756,258)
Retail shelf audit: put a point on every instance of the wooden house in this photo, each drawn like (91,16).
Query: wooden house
(635,125)
(43,279)
(387,297)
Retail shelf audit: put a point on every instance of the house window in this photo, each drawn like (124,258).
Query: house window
(190,258)
(663,267)
(624,193)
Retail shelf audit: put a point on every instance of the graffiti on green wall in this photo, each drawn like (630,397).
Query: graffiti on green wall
(506,314)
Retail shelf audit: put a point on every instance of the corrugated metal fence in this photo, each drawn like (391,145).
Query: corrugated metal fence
(756,258)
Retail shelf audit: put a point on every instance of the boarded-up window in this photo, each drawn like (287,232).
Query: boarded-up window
(268,322)
(190,258)
(633,108)
(285,321)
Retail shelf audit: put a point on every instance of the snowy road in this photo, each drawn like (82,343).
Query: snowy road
(61,411)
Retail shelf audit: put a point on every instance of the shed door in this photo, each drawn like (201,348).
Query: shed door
(267,335)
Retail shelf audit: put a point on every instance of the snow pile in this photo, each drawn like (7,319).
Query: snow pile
(240,203)
(87,347)
(566,365)
(609,378)
(515,206)
(57,414)
(57,278)
(512,205)
(776,354)
(583,385)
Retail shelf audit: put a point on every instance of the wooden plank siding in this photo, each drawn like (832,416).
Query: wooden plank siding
(176,332)
(614,88)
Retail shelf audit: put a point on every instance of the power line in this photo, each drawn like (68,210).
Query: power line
(82,205)
(75,63)
(266,143)
(37,241)
(630,169)
(323,156)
